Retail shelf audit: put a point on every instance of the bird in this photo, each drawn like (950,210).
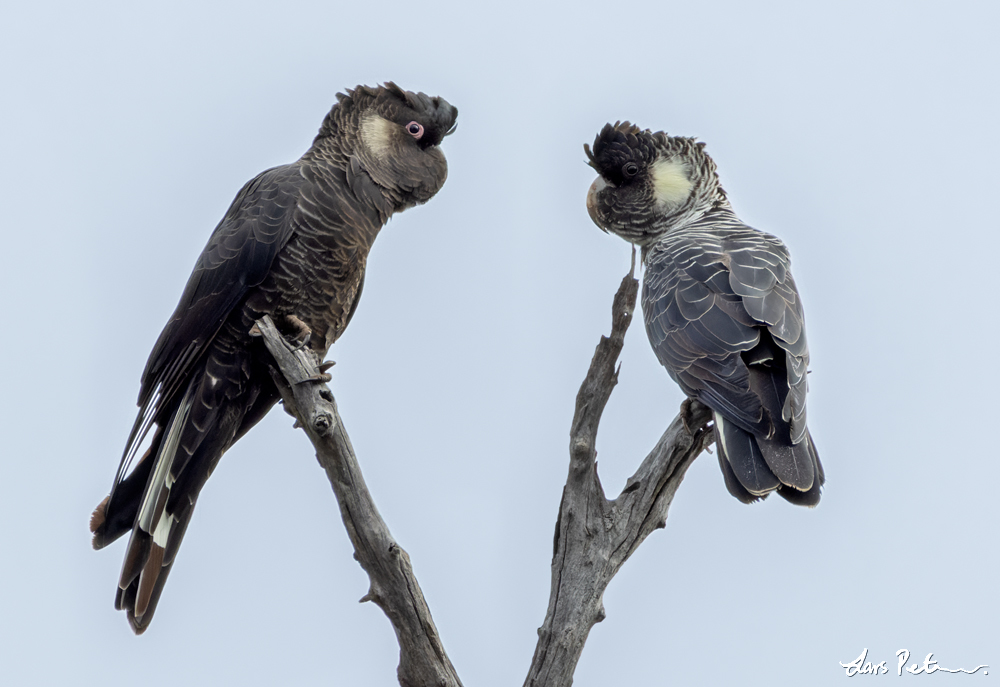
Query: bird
(721,309)
(293,245)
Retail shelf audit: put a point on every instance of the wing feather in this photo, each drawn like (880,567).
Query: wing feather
(237,257)
(723,315)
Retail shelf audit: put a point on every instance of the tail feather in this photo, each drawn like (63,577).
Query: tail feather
(147,581)
(136,554)
(811,496)
(733,484)
(158,488)
(125,598)
(156,500)
(744,457)
(792,464)
(176,536)
(155,529)
(809,499)
(115,515)
(753,467)
(142,594)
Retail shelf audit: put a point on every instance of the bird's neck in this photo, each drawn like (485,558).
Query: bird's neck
(345,165)
(714,206)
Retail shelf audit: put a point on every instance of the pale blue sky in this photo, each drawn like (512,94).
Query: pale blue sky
(862,133)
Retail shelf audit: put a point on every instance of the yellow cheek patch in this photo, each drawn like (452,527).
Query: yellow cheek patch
(377,133)
(670,181)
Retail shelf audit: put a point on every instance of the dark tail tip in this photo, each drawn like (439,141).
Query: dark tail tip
(732,483)
(809,498)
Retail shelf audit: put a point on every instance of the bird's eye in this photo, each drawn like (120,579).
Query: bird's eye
(415,129)
(630,169)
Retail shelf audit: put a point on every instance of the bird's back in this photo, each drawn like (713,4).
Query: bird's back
(724,317)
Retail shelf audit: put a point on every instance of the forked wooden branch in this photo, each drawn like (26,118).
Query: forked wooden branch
(594,536)
(422,658)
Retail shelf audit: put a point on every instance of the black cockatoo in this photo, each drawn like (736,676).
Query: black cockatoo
(720,306)
(293,245)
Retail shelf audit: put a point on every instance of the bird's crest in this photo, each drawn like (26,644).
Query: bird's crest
(619,143)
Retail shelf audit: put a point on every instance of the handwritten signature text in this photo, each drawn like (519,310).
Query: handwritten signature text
(862,666)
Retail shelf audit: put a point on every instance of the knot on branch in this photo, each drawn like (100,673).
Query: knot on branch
(631,485)
(582,446)
(322,422)
(399,555)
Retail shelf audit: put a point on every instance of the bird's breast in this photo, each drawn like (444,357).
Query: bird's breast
(317,280)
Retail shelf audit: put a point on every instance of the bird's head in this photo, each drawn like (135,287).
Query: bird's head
(649,183)
(393,136)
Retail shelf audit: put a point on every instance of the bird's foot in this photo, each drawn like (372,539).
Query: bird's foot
(300,332)
(694,415)
(323,375)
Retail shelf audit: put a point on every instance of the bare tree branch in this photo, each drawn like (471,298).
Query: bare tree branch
(594,536)
(593,539)
(422,658)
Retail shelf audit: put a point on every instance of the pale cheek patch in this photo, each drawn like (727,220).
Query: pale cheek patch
(670,182)
(376,132)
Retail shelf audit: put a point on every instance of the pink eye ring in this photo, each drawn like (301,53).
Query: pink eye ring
(415,129)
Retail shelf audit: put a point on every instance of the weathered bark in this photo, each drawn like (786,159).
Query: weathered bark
(594,536)
(393,587)
(593,539)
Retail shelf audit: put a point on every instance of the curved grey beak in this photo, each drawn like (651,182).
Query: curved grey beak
(595,188)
